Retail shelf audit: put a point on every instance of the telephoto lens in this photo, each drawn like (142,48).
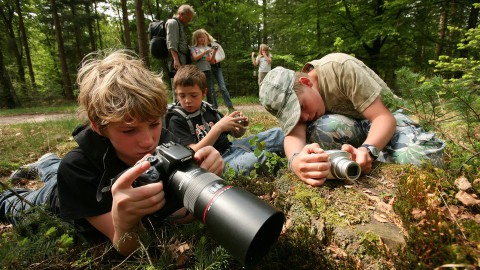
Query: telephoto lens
(242,223)
(342,166)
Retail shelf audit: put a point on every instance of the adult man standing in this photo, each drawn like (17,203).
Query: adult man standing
(177,39)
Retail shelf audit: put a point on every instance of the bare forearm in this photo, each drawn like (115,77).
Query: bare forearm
(381,131)
(210,139)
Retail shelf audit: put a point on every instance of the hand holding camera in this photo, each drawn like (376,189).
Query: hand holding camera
(242,223)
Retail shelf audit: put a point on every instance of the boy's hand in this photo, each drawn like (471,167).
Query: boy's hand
(131,204)
(311,165)
(210,159)
(361,157)
(233,122)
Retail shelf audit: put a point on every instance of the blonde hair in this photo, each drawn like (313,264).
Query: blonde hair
(118,87)
(263,46)
(197,33)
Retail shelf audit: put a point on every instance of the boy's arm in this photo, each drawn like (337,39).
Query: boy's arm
(382,128)
(309,162)
(226,124)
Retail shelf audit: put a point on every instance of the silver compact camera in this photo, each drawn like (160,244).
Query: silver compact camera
(342,166)
(239,121)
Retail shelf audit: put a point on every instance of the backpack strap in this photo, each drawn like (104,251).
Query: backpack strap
(187,117)
(177,109)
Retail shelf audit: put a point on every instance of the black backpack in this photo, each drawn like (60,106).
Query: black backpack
(158,39)
(176,109)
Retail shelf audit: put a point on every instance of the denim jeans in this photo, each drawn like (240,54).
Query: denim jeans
(211,96)
(12,207)
(240,156)
(217,72)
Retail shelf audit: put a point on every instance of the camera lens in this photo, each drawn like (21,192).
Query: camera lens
(342,167)
(241,222)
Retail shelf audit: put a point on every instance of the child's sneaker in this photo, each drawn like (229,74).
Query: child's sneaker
(28,171)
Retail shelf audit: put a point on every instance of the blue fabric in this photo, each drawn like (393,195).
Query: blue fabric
(12,207)
(240,156)
(217,72)
(211,96)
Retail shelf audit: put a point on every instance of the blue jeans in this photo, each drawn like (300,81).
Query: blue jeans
(217,72)
(211,97)
(12,207)
(240,156)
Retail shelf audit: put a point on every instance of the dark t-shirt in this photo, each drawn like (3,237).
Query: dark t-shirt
(179,127)
(80,174)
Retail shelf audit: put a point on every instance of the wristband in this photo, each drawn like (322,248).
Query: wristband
(290,160)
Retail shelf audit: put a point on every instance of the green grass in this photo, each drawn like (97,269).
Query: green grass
(64,108)
(433,239)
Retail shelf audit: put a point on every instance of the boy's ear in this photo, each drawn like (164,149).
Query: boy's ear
(305,81)
(205,92)
(95,127)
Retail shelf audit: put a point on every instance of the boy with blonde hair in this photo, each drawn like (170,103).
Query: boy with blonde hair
(123,104)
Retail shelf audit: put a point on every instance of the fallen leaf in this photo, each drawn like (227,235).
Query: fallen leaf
(466,198)
(462,183)
(418,214)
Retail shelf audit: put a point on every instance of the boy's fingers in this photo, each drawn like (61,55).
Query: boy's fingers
(127,178)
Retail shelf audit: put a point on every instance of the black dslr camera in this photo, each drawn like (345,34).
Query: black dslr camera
(241,222)
(215,47)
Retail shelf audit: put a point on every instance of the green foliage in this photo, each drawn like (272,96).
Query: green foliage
(39,236)
(449,101)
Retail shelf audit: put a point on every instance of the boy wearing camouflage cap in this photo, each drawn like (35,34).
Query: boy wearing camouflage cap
(335,102)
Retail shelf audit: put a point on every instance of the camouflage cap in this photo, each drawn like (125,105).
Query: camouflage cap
(279,99)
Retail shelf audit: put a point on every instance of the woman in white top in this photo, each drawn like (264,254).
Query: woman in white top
(264,62)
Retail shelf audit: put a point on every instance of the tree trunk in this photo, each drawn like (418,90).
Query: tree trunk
(97,20)
(442,27)
(7,16)
(23,32)
(67,86)
(91,30)
(126,25)
(7,92)
(472,23)
(141,32)
(264,21)
(77,34)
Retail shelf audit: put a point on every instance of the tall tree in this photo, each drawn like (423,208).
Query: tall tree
(126,25)
(91,30)
(141,32)
(26,47)
(7,14)
(67,86)
(7,92)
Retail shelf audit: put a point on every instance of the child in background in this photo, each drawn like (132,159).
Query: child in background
(212,129)
(263,61)
(202,55)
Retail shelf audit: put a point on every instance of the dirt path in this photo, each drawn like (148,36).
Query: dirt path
(38,118)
